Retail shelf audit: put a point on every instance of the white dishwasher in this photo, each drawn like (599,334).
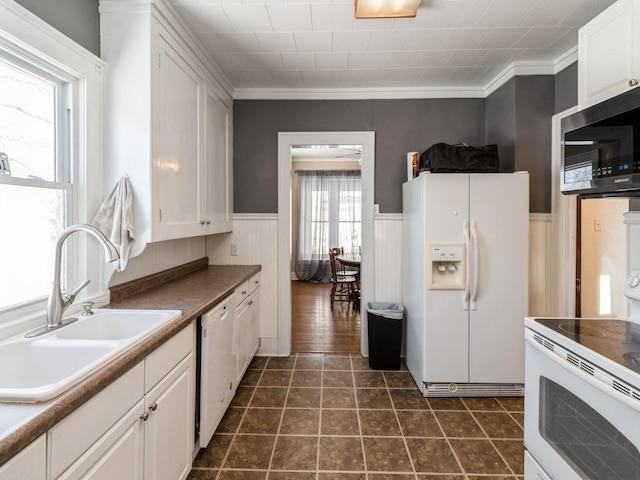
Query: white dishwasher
(218,366)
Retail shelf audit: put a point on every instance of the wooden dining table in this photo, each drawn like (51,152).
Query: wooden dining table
(350,259)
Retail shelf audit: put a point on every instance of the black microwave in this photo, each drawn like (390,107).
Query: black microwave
(601,149)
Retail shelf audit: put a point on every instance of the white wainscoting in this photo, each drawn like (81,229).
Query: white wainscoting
(539,242)
(256,239)
(388,257)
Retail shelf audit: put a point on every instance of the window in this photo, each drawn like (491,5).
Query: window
(335,214)
(51,173)
(35,176)
(329,215)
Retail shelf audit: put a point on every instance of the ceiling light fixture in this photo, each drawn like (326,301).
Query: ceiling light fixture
(386,8)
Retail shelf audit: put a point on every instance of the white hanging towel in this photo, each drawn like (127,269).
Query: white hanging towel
(115,220)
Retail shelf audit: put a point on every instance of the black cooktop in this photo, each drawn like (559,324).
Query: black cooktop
(618,340)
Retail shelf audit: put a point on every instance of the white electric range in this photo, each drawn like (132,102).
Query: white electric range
(582,396)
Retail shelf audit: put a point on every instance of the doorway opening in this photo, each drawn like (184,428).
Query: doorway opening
(326,210)
(601,258)
(287,142)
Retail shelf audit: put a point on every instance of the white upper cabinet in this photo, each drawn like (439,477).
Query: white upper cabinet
(609,53)
(177,150)
(218,166)
(167,122)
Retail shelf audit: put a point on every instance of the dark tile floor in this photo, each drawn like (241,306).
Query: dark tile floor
(330,417)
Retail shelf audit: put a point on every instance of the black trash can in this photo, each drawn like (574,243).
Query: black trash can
(384,334)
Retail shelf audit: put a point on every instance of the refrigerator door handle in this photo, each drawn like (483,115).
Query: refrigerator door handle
(467,283)
(476,262)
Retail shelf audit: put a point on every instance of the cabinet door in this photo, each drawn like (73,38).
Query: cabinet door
(248,321)
(217,167)
(169,425)
(177,198)
(29,464)
(242,339)
(608,52)
(118,454)
(253,324)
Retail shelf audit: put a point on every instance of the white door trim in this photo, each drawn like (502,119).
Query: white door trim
(562,259)
(285,141)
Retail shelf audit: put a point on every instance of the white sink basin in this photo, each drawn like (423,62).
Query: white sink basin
(116,324)
(40,368)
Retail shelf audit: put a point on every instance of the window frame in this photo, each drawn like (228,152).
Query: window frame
(25,36)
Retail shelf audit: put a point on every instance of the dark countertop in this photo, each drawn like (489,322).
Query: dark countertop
(194,294)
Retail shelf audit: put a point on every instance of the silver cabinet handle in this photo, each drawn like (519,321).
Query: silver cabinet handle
(153,407)
(144,416)
(208,222)
(201,222)
(633,82)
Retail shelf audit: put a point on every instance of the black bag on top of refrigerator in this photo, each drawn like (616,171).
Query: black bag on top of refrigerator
(445,158)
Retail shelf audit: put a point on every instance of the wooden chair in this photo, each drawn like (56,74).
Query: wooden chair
(343,286)
(345,270)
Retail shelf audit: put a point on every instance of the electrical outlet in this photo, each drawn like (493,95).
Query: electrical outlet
(234,250)
(376,209)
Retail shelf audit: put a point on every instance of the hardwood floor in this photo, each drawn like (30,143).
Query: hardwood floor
(319,328)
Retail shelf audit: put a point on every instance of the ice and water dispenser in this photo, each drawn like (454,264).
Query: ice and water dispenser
(447,266)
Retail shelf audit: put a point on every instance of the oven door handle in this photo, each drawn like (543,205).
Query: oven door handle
(602,381)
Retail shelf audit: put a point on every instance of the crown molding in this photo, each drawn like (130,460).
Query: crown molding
(517,68)
(356,93)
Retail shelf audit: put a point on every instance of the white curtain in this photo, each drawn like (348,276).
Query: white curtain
(329,209)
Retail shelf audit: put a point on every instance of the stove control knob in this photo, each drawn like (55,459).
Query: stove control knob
(634,281)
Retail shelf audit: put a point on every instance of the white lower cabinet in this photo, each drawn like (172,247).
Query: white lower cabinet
(29,464)
(248,321)
(139,428)
(168,440)
(118,454)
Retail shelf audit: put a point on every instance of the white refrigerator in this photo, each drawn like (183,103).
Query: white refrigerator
(465,282)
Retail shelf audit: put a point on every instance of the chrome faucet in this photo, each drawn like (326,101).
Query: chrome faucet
(57,303)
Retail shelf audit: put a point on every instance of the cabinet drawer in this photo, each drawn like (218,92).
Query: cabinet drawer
(242,292)
(74,435)
(162,360)
(254,282)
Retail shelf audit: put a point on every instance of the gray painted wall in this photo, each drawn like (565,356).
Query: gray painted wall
(501,123)
(77,19)
(535,104)
(566,88)
(401,126)
(519,121)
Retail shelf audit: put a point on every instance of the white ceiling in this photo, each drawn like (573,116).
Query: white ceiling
(317,44)
(311,153)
